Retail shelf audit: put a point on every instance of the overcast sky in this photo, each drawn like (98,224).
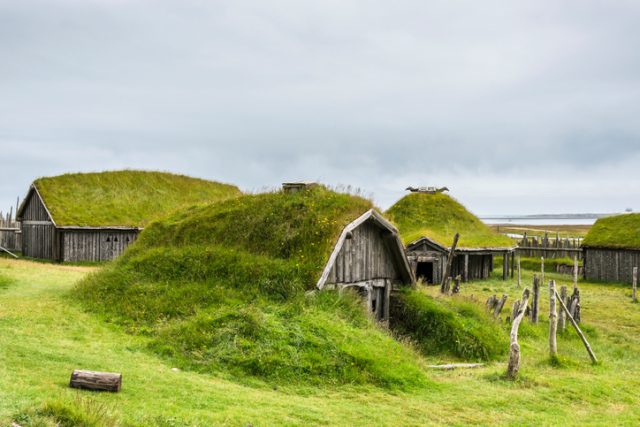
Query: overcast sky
(516,106)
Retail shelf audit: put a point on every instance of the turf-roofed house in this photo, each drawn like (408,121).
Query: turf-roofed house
(428,222)
(95,216)
(611,249)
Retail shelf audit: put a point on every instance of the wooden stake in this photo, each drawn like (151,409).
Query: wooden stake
(577,328)
(575,271)
(553,319)
(635,284)
(542,270)
(514,347)
(536,299)
(561,318)
(447,270)
(519,273)
(498,309)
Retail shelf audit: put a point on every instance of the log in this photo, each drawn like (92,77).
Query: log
(447,270)
(577,328)
(515,309)
(553,319)
(99,381)
(561,316)
(634,284)
(514,347)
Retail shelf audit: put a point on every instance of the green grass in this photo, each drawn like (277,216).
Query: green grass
(440,217)
(222,288)
(124,198)
(535,264)
(44,335)
(620,231)
(447,325)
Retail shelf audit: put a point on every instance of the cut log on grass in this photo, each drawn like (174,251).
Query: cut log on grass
(577,328)
(514,347)
(553,319)
(99,381)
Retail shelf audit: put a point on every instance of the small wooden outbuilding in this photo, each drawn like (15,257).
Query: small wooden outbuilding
(611,249)
(95,216)
(428,259)
(368,256)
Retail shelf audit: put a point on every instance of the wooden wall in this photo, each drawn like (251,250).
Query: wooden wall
(365,256)
(480,266)
(38,232)
(10,235)
(610,265)
(95,245)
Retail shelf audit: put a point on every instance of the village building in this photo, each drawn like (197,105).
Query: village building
(95,216)
(611,249)
(428,222)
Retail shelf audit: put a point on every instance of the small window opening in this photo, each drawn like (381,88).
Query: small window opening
(108,239)
(115,239)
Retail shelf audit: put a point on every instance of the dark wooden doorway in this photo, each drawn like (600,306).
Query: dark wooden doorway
(424,271)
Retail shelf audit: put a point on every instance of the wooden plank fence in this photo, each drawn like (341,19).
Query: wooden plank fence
(536,247)
(10,234)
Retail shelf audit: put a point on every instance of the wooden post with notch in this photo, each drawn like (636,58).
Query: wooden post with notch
(447,270)
(514,347)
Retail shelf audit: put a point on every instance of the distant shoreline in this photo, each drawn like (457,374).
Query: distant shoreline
(537,217)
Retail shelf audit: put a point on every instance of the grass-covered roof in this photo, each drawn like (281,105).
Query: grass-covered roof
(222,288)
(439,217)
(124,198)
(620,231)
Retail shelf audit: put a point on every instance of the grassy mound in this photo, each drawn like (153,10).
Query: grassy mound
(221,288)
(125,198)
(440,217)
(448,326)
(620,231)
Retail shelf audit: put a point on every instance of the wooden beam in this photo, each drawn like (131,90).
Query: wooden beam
(452,253)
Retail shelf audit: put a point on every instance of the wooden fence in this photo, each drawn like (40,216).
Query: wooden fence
(10,234)
(556,247)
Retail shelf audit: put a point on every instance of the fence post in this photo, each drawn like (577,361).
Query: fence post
(561,315)
(542,269)
(635,283)
(553,319)
(519,275)
(575,271)
(536,299)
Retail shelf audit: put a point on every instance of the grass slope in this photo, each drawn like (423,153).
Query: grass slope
(620,231)
(44,335)
(440,217)
(124,198)
(221,288)
(447,325)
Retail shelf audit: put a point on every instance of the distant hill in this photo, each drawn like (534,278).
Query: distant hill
(124,198)
(440,217)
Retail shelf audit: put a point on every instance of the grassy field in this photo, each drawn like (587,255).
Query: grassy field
(44,335)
